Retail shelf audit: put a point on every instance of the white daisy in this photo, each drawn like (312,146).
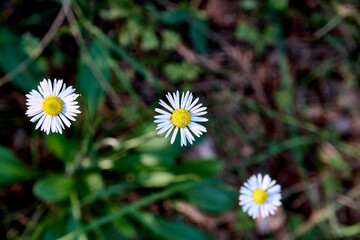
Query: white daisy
(260,196)
(52,106)
(182,114)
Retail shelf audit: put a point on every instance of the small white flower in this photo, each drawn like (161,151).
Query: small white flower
(260,196)
(52,106)
(181,114)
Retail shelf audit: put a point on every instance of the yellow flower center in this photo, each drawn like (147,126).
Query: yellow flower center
(52,105)
(180,118)
(259,196)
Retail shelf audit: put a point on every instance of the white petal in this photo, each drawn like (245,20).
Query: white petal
(259,181)
(174,135)
(189,136)
(40,121)
(160,120)
(182,135)
(188,102)
(177,99)
(246,191)
(199,119)
(266,182)
(199,114)
(199,110)
(171,100)
(50,89)
(169,131)
(184,100)
(65,120)
(53,124)
(274,189)
(167,117)
(192,104)
(165,128)
(34,119)
(162,111)
(162,103)
(196,107)
(161,125)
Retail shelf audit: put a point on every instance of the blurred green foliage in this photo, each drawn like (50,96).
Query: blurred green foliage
(110,176)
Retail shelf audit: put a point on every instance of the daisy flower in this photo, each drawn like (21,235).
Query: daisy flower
(260,196)
(182,114)
(52,106)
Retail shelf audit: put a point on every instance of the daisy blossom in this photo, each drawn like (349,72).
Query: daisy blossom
(260,196)
(52,106)
(182,114)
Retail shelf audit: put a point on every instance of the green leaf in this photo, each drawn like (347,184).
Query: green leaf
(156,179)
(125,226)
(11,50)
(210,198)
(54,188)
(174,18)
(244,222)
(251,35)
(61,146)
(11,168)
(283,99)
(142,163)
(198,32)
(132,28)
(203,168)
(167,229)
(87,83)
(54,230)
(95,182)
(149,40)
(331,184)
(170,39)
(129,208)
(181,71)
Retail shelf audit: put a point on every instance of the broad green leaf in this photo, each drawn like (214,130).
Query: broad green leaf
(203,168)
(210,198)
(61,146)
(124,226)
(156,179)
(54,230)
(168,229)
(174,17)
(87,83)
(198,31)
(95,182)
(109,191)
(110,232)
(54,188)
(11,50)
(142,163)
(11,168)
